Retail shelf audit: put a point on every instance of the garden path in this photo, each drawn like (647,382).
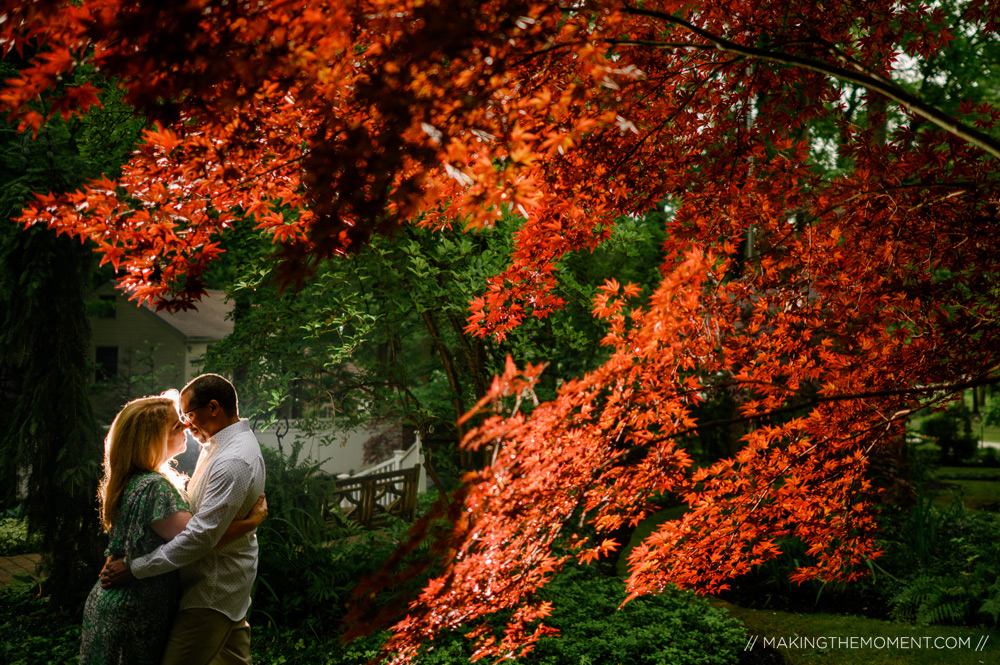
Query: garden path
(19,563)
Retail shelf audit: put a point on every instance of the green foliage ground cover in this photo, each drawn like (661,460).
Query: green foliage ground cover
(32,632)
(14,536)
(673,628)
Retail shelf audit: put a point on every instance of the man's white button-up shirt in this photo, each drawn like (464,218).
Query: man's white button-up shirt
(227,480)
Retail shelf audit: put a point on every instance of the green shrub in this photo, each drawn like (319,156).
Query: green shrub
(297,576)
(942,569)
(674,627)
(989,457)
(953,432)
(14,536)
(32,633)
(671,628)
(307,567)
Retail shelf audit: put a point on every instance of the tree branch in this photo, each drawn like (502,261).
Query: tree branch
(866,79)
(680,107)
(983,380)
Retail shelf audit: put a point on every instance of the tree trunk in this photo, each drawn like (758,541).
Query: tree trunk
(449,370)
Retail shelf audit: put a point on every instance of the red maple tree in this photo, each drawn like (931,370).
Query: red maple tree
(827,291)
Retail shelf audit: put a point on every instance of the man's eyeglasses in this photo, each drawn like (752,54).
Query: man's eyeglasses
(185,418)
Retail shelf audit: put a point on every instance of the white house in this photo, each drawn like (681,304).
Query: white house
(138,351)
(145,351)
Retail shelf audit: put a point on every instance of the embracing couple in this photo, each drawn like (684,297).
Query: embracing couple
(143,610)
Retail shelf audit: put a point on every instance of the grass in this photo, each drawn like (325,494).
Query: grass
(949,473)
(982,431)
(977,487)
(989,433)
(985,432)
(975,494)
(776,625)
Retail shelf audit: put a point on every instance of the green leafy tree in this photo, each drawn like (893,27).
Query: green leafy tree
(380,335)
(50,444)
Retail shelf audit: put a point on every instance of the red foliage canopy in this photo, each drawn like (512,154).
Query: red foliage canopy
(824,301)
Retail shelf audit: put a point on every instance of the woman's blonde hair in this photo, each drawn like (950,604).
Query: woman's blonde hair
(136,442)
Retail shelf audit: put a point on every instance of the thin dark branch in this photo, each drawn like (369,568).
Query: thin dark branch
(680,107)
(808,220)
(633,454)
(842,397)
(867,79)
(545,51)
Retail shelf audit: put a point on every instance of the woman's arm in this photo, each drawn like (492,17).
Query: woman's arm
(173,524)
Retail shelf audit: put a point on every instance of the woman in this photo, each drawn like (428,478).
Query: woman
(142,506)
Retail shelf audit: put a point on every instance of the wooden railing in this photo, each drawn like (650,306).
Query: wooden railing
(400,459)
(370,499)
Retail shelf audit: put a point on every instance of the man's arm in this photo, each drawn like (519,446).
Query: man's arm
(114,573)
(224,494)
(170,526)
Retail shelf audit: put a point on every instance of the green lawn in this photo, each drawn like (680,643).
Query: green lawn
(975,494)
(977,487)
(776,625)
(950,473)
(982,432)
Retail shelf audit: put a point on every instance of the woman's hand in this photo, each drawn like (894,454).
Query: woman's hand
(115,574)
(242,527)
(259,511)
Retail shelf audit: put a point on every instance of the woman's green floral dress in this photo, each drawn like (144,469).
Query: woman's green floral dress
(129,625)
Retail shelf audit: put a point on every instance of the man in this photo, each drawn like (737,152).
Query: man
(211,625)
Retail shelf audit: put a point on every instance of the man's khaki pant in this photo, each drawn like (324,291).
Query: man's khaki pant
(202,636)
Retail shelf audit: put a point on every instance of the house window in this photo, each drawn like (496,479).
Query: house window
(107,363)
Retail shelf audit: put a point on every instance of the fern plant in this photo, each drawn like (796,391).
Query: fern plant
(933,600)
(991,606)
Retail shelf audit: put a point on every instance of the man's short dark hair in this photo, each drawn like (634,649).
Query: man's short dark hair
(207,387)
